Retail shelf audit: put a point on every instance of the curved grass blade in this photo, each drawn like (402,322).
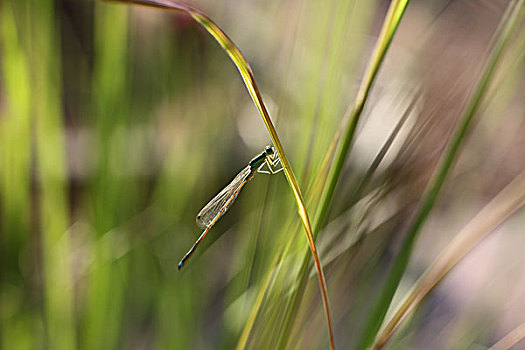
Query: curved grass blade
(313,192)
(279,258)
(500,208)
(247,75)
(390,25)
(376,316)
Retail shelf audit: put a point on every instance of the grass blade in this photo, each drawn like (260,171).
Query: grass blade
(51,159)
(278,261)
(428,200)
(500,208)
(109,101)
(384,149)
(15,171)
(247,75)
(391,23)
(511,339)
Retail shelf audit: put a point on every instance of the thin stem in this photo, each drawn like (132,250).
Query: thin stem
(511,339)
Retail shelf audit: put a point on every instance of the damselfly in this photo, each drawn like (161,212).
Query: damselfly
(219,205)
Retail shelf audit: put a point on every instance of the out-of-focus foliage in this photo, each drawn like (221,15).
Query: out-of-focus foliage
(118,123)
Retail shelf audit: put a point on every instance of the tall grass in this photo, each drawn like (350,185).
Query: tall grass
(112,196)
(51,167)
(118,123)
(15,167)
(433,189)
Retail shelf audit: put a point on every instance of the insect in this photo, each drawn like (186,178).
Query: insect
(219,205)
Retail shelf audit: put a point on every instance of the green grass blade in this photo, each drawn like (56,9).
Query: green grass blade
(247,75)
(278,261)
(51,160)
(428,200)
(391,23)
(16,331)
(388,30)
(109,193)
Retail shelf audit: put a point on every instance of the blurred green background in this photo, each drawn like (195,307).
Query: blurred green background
(119,123)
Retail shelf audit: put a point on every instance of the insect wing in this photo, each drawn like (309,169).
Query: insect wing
(221,203)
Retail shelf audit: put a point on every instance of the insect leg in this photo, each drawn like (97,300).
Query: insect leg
(269,164)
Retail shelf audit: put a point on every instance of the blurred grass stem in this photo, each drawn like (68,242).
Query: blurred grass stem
(390,25)
(503,34)
(500,208)
(511,339)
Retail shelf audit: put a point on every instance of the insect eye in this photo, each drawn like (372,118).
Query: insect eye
(268,150)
